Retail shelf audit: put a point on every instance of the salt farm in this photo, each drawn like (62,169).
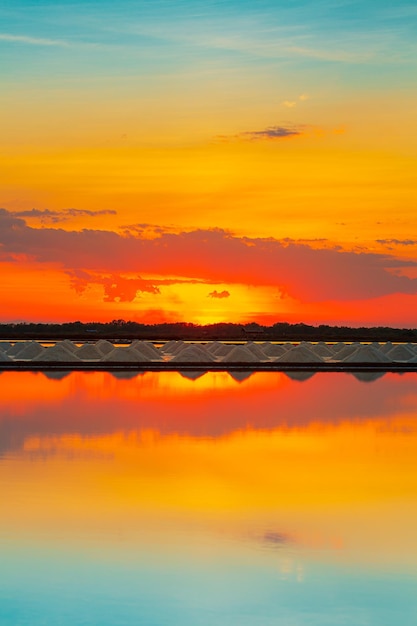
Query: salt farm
(214,355)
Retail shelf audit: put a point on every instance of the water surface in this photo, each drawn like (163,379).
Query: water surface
(160,500)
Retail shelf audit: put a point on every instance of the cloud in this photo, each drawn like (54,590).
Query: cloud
(289,103)
(34,41)
(54,217)
(274,132)
(397,242)
(219,294)
(297,270)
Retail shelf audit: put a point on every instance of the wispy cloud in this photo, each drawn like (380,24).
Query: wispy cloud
(34,41)
(55,217)
(397,242)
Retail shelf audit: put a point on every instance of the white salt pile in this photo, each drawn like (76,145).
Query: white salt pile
(240,354)
(68,344)
(223,350)
(147,349)
(193,354)
(104,346)
(347,350)
(89,352)
(168,346)
(275,350)
(57,353)
(17,347)
(29,351)
(322,350)
(5,346)
(400,353)
(366,354)
(299,354)
(125,355)
(257,351)
(5,358)
(212,346)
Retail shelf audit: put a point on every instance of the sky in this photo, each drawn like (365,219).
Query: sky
(209,161)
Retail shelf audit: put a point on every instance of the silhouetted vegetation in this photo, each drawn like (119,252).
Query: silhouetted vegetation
(119,330)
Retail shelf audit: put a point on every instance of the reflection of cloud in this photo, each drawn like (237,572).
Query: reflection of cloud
(214,257)
(219,294)
(276,538)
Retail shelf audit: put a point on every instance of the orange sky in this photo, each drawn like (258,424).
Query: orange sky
(269,123)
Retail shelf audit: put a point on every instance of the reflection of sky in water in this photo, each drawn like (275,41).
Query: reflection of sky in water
(164,500)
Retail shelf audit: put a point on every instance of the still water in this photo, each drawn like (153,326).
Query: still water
(164,500)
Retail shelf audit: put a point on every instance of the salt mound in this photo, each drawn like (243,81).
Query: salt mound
(57,353)
(104,346)
(125,355)
(5,358)
(299,354)
(179,345)
(257,351)
(192,354)
(275,350)
(213,346)
(5,346)
(386,347)
(240,354)
(30,350)
(17,347)
(400,353)
(322,350)
(148,349)
(367,354)
(68,344)
(340,355)
(89,352)
(224,349)
(167,347)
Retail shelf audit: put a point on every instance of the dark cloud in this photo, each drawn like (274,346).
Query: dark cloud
(54,217)
(206,256)
(219,294)
(274,132)
(284,131)
(397,242)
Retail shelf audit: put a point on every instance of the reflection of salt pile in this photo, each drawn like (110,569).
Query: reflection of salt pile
(299,376)
(192,354)
(29,351)
(367,354)
(89,352)
(240,354)
(125,355)
(240,376)
(368,377)
(299,354)
(57,353)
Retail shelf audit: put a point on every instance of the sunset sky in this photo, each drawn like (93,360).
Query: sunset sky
(209,161)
